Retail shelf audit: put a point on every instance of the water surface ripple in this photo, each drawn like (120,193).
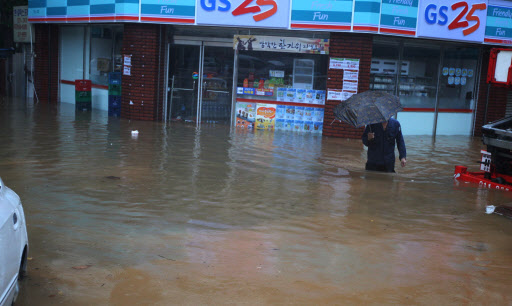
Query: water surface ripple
(189,216)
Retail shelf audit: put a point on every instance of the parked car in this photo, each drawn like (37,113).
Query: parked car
(13,244)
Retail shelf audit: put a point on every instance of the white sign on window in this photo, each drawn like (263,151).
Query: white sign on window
(277,73)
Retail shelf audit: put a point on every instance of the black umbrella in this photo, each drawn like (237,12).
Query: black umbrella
(367,108)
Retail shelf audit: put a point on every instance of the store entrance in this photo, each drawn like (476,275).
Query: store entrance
(200,82)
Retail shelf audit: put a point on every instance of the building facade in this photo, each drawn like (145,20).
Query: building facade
(279,65)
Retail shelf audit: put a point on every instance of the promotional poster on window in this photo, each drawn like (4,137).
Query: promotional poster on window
(245,115)
(262,116)
(265,116)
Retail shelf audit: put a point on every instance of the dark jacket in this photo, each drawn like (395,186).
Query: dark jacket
(381,149)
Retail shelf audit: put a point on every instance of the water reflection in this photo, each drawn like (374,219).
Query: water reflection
(215,215)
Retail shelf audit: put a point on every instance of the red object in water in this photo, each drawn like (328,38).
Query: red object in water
(496,164)
(495,182)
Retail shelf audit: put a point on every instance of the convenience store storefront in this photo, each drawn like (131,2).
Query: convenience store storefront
(437,85)
(249,83)
(282,65)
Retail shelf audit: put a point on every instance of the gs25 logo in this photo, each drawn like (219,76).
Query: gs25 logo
(244,8)
(431,13)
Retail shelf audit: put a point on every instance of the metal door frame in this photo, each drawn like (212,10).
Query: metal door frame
(202,43)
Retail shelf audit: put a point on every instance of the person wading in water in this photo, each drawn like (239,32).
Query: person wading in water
(380,138)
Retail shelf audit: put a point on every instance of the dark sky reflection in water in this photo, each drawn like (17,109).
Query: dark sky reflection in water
(211,216)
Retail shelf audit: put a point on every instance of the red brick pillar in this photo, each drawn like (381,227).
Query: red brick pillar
(347,45)
(46,63)
(497,104)
(142,91)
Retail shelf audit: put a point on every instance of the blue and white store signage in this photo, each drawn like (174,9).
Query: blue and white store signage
(499,22)
(480,21)
(247,13)
(172,11)
(463,20)
(322,14)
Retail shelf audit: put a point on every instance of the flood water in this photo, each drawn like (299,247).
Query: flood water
(213,216)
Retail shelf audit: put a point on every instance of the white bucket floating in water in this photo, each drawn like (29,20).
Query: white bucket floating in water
(135,134)
(490,209)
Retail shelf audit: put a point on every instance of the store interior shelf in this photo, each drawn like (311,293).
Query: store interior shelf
(409,86)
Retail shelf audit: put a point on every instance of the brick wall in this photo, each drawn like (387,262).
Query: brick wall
(46,63)
(347,45)
(497,99)
(143,89)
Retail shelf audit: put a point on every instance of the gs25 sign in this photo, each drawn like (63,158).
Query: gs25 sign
(245,8)
(463,20)
(260,13)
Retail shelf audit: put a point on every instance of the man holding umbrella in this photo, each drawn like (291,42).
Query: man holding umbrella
(374,110)
(380,138)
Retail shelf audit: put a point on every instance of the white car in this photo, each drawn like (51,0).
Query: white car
(13,244)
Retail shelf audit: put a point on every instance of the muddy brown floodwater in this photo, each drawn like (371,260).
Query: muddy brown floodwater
(211,216)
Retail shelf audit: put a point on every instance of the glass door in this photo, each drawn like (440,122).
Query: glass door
(217,84)
(184,82)
(458,84)
(200,82)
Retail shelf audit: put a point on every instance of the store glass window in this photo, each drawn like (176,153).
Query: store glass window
(418,81)
(281,90)
(72,46)
(457,84)
(384,71)
(274,70)
(106,44)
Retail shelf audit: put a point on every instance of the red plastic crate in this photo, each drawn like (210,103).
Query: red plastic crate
(83,85)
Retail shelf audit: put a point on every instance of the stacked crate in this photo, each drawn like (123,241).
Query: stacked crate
(83,98)
(114,94)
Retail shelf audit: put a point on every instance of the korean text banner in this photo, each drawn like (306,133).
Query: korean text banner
(322,14)
(464,20)
(268,13)
(281,44)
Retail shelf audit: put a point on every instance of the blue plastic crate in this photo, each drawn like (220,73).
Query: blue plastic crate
(114,101)
(114,78)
